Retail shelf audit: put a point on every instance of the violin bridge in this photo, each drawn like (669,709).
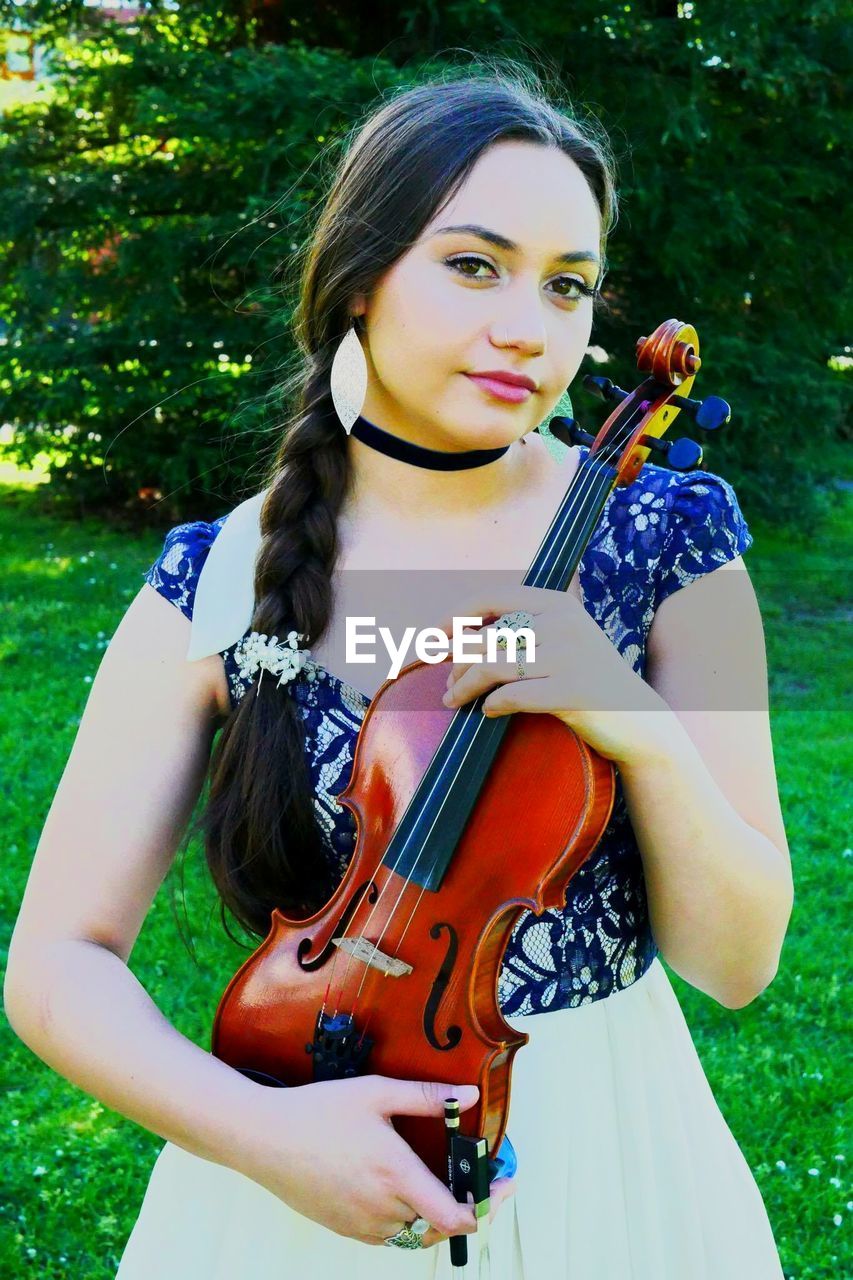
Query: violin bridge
(364,950)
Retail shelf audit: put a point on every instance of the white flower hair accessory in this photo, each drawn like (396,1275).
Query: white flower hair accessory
(259,652)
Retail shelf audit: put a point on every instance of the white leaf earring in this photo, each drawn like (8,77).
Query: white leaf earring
(348,379)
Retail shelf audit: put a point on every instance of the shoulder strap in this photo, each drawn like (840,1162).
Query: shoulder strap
(225,591)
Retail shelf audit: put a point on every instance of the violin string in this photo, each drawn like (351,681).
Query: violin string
(589,480)
(469,711)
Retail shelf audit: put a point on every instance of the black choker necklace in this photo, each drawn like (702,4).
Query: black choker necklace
(436,459)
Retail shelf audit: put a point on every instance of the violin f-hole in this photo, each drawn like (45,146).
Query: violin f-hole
(308,966)
(438,988)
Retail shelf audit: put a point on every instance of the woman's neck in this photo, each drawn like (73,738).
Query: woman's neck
(388,487)
(401,506)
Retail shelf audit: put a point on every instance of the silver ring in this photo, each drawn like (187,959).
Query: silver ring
(411,1235)
(513,621)
(520,665)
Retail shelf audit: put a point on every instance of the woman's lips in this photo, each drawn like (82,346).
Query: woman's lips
(503,390)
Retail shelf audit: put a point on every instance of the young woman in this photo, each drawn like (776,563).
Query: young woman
(464,236)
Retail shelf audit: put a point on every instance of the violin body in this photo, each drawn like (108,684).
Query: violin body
(542,810)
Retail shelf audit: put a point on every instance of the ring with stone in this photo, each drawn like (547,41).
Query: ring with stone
(410,1236)
(514,620)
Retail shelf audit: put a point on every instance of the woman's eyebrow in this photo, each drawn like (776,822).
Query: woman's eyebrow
(583,255)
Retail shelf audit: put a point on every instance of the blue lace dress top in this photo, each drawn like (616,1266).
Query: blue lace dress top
(654,536)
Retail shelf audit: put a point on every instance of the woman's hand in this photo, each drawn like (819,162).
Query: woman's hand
(330,1151)
(575,673)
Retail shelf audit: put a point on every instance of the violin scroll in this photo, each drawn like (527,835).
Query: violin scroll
(640,419)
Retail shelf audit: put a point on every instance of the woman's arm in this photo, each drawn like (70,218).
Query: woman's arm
(692,744)
(83,1012)
(703,799)
(122,804)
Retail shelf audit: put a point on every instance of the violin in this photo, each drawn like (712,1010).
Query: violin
(397,973)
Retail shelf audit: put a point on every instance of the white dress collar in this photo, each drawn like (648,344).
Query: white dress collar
(225,590)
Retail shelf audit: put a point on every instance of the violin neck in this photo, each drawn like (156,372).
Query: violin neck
(421,848)
(561,550)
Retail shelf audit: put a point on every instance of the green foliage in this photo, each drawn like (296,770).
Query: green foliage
(155,206)
(734,169)
(141,249)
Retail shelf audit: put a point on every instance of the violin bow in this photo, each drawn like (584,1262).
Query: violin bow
(468,1171)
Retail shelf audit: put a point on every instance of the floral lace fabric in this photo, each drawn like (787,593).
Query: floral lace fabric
(654,536)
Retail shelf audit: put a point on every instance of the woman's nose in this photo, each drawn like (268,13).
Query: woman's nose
(520,335)
(522,328)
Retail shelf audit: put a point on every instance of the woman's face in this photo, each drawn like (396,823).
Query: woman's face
(516,308)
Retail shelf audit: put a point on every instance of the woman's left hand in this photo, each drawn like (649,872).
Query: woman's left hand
(575,673)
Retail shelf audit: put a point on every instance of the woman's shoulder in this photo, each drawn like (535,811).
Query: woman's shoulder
(176,570)
(207,570)
(691,522)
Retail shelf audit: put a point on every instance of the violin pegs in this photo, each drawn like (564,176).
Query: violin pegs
(713,413)
(596,386)
(710,414)
(684,454)
(569,432)
(681,455)
(603,388)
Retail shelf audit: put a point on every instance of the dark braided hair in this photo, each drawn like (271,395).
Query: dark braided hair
(405,161)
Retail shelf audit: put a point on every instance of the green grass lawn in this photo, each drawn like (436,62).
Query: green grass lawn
(75,1172)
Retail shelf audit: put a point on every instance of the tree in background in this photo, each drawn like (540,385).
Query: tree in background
(155,205)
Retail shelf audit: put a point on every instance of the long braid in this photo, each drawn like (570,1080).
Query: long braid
(264,738)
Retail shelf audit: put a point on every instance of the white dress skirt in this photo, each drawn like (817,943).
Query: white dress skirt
(627,1170)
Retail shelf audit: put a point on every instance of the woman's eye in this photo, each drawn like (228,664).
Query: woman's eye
(468,259)
(584,290)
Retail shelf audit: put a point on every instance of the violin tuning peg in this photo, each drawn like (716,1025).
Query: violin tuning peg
(567,430)
(710,414)
(713,413)
(596,386)
(603,388)
(684,454)
(681,455)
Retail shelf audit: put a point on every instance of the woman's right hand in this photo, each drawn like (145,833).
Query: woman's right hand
(330,1151)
